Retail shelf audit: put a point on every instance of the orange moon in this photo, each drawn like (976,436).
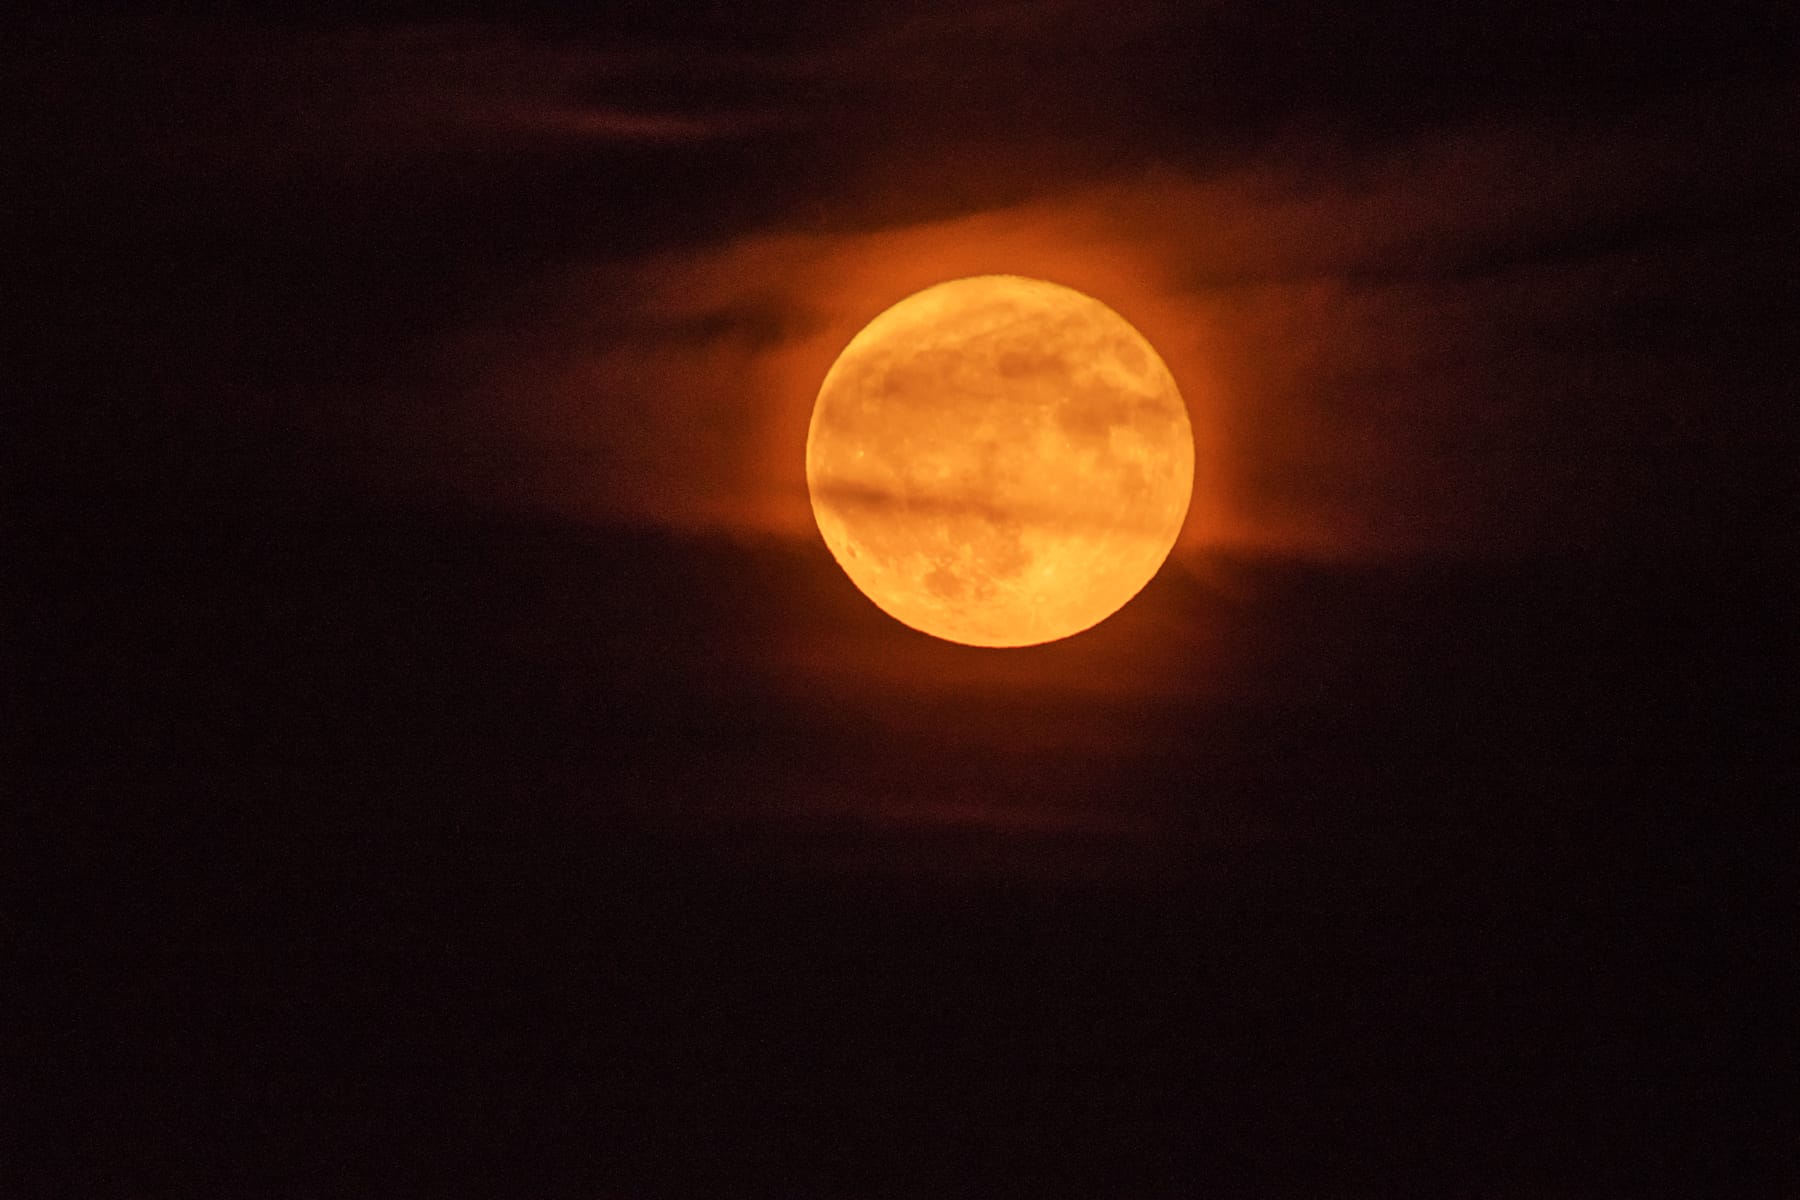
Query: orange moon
(999,461)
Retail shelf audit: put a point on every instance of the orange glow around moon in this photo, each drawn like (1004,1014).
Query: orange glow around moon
(999,461)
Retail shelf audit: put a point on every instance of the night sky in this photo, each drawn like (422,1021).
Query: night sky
(444,759)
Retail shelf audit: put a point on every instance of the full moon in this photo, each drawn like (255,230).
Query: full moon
(999,461)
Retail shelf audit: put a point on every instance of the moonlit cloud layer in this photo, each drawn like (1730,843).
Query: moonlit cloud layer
(1426,349)
(600,272)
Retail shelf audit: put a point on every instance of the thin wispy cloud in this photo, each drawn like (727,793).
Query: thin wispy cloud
(1398,330)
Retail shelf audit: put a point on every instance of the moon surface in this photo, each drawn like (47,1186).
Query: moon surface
(999,461)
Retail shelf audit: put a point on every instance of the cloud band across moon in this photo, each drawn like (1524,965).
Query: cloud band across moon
(1032,456)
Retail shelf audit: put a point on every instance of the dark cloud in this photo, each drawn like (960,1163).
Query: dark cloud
(1424,279)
